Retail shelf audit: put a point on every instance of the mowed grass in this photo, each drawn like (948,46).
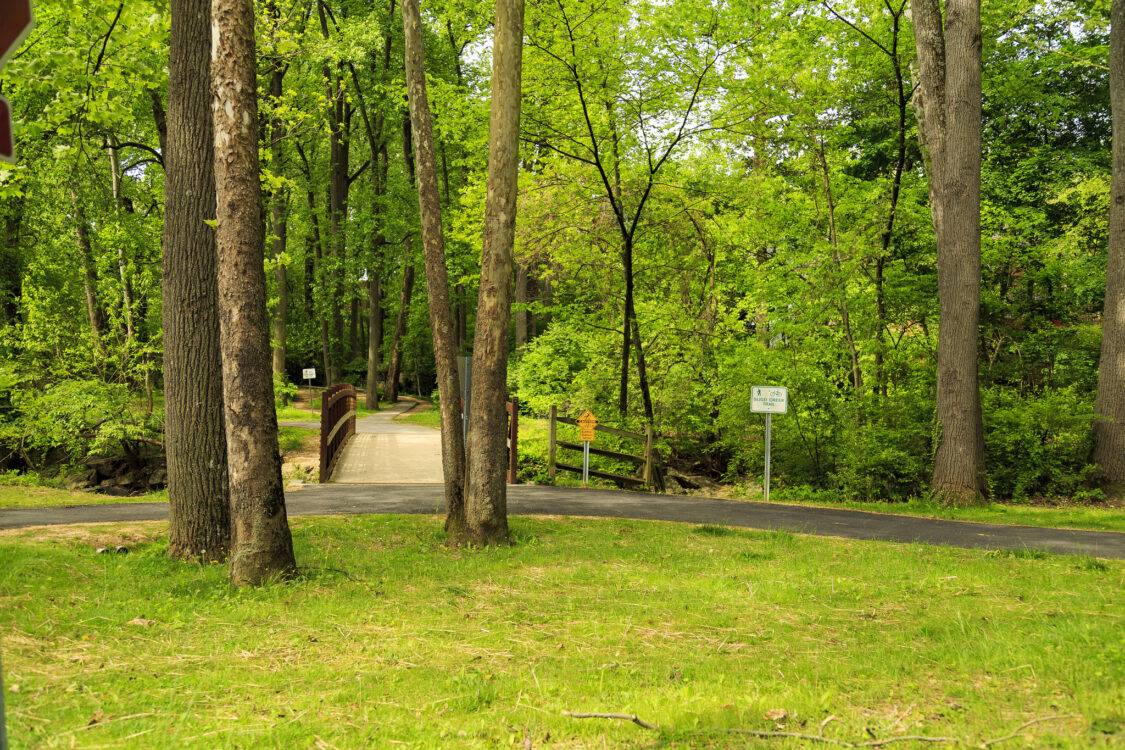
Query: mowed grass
(18,496)
(388,639)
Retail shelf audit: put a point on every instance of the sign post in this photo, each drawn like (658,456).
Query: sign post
(587,424)
(3,722)
(768,400)
(309,375)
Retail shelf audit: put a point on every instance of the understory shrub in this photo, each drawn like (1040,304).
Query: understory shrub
(1037,444)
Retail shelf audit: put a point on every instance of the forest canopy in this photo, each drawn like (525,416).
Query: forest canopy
(713,194)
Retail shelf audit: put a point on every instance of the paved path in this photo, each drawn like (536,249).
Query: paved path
(384,451)
(333,499)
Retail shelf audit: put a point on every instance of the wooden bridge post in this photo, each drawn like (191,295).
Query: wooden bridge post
(551,443)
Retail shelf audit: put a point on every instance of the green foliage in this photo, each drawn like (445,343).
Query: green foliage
(72,419)
(1038,445)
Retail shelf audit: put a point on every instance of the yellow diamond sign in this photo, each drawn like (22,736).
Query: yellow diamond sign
(586,424)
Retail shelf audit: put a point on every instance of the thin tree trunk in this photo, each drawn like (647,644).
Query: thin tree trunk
(390,387)
(122,262)
(194,433)
(521,313)
(279,210)
(94,315)
(374,337)
(437,281)
(486,499)
(950,130)
(1109,405)
(262,548)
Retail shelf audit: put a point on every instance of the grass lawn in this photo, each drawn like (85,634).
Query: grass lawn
(16,496)
(388,639)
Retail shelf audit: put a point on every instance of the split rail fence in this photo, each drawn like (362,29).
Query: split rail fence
(651,472)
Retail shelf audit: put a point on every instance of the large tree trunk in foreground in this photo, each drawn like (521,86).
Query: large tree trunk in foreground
(194,436)
(437,280)
(261,544)
(950,89)
(1109,406)
(486,496)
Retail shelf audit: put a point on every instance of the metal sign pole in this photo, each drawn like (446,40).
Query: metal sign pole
(3,721)
(766,475)
(585,463)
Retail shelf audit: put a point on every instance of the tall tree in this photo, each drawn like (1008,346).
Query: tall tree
(437,279)
(949,62)
(486,502)
(261,545)
(1109,430)
(194,438)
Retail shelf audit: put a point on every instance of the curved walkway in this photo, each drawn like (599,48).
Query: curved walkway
(531,500)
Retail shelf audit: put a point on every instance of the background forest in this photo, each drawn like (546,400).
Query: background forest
(712,195)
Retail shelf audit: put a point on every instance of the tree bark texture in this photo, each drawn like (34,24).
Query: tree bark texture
(394,366)
(486,496)
(261,545)
(194,435)
(950,90)
(437,279)
(1109,405)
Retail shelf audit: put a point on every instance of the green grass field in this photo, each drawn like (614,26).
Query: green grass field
(388,639)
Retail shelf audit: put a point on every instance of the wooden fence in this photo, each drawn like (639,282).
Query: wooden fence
(513,407)
(651,474)
(337,425)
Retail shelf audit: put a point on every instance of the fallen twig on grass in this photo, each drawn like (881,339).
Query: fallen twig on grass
(624,717)
(820,737)
(1025,725)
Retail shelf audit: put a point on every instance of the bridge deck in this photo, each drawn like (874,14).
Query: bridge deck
(384,451)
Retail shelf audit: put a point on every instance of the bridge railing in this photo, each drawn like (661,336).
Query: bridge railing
(337,425)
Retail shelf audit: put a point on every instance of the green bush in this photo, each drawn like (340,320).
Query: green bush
(1037,444)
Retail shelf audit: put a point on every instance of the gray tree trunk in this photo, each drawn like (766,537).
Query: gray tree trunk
(437,280)
(394,366)
(950,129)
(261,545)
(194,435)
(1109,405)
(486,503)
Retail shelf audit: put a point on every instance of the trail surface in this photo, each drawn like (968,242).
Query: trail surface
(532,500)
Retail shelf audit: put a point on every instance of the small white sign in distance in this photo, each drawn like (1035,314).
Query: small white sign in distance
(769,399)
(309,373)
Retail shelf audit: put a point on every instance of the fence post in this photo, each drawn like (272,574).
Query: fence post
(648,457)
(551,443)
(513,438)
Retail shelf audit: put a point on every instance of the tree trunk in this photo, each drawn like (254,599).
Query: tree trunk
(11,267)
(122,262)
(279,218)
(521,312)
(194,435)
(486,498)
(950,130)
(374,336)
(437,281)
(262,547)
(390,388)
(94,315)
(1109,405)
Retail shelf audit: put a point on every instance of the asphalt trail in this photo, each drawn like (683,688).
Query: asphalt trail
(532,500)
